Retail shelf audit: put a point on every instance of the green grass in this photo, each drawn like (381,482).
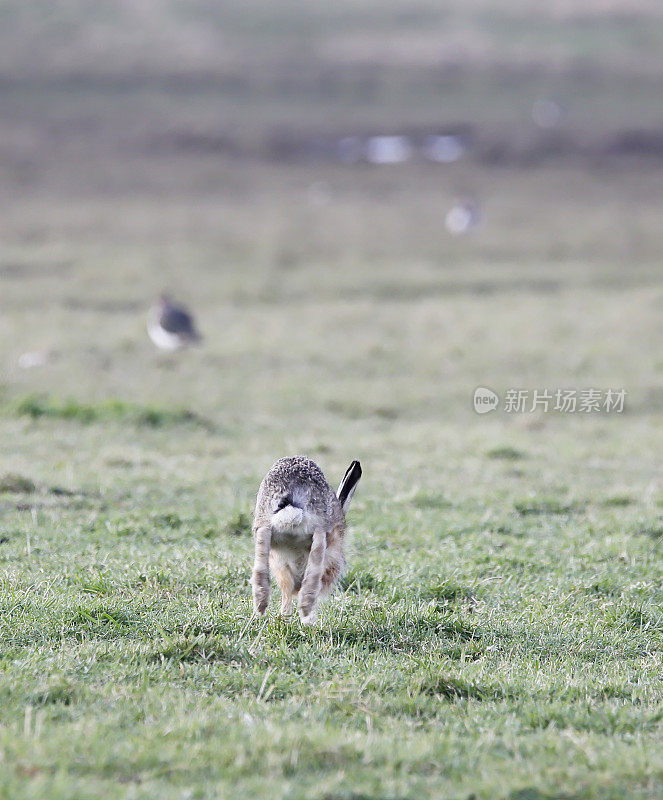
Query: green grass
(460,657)
(499,632)
(35,406)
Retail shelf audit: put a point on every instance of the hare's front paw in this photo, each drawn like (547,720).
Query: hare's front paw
(308,616)
(260,599)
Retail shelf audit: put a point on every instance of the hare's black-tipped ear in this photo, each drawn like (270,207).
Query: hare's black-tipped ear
(349,484)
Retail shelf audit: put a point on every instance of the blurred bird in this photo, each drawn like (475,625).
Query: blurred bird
(33,358)
(462,217)
(547,113)
(443,149)
(170,326)
(388,149)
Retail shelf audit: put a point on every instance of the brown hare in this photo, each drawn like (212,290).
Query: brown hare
(298,529)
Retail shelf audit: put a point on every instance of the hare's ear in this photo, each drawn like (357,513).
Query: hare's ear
(349,484)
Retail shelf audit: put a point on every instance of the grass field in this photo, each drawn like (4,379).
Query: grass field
(499,633)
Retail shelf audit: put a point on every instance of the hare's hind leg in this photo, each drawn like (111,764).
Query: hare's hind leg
(287,584)
(312,583)
(334,561)
(260,576)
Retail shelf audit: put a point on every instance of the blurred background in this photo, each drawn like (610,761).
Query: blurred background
(368,208)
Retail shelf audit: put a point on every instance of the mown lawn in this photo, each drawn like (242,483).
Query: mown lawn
(500,630)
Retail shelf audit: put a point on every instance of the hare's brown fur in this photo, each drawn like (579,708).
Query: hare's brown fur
(298,527)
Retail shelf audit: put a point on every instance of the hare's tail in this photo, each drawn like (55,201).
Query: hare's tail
(288,515)
(349,484)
